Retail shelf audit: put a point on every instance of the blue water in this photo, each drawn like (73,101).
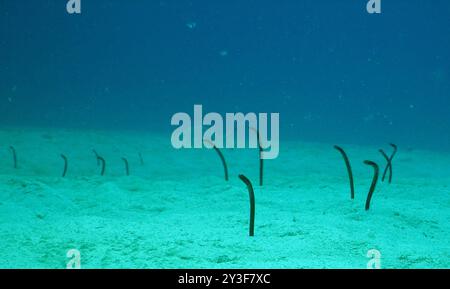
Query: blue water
(332,71)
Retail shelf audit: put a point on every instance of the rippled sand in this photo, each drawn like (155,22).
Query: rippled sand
(176,210)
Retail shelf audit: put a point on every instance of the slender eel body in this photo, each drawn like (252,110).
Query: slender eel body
(14,155)
(374,182)
(103,163)
(222,158)
(261,162)
(224,163)
(252,204)
(66,164)
(349,170)
(96,157)
(389,164)
(127,167)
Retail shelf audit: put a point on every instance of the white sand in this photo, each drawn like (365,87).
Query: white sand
(176,211)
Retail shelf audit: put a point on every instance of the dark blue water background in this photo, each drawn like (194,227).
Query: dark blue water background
(334,72)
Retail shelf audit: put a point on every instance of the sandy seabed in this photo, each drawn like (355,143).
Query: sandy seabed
(176,211)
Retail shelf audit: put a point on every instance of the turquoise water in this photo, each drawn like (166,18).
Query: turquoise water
(176,210)
(111,78)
